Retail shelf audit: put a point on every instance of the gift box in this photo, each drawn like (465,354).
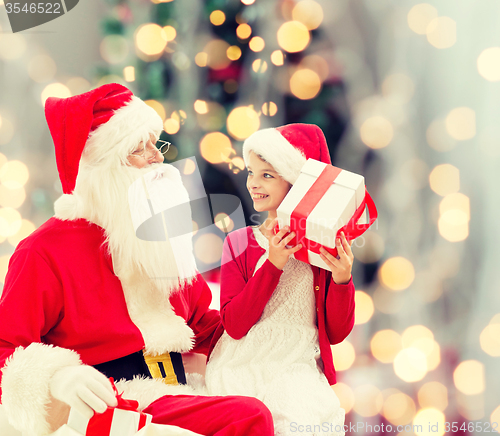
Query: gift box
(324,201)
(122,420)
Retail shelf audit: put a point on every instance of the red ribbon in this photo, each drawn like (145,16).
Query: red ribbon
(100,424)
(298,218)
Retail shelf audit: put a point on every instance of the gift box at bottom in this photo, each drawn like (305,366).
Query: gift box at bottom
(113,422)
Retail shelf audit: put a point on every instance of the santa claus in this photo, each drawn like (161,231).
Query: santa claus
(85,299)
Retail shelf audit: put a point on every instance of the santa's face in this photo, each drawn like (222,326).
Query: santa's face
(146,154)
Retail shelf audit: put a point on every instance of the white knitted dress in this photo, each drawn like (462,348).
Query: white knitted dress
(278,360)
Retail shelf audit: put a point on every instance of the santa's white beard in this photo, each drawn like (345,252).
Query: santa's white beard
(154,265)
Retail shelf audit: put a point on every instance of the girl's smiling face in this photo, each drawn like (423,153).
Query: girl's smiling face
(265,185)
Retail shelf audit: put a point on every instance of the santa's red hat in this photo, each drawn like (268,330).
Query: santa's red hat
(110,114)
(288,147)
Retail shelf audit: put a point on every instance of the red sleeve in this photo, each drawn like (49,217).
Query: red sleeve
(339,307)
(243,300)
(203,321)
(31,302)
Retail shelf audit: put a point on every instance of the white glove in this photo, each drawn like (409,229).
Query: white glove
(84,388)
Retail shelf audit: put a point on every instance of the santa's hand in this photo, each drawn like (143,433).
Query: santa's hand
(83,388)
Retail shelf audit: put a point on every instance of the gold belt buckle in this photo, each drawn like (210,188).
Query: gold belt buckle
(161,367)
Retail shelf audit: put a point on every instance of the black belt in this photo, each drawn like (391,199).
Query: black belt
(168,367)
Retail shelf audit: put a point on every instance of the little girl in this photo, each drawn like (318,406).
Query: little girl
(280,315)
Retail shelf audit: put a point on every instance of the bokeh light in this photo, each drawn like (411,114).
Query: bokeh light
(490,339)
(208,248)
(305,84)
(171,126)
(201,59)
(129,74)
(455,202)
(26,228)
(414,333)
(170,33)
(424,418)
(189,167)
(12,46)
(420,16)
(363,307)
(461,123)
(410,365)
(214,118)
(55,90)
(42,68)
(397,273)
(216,147)
(217,18)
(293,36)
(399,409)
(12,197)
(248,2)
(316,63)
(259,66)
(216,51)
(345,396)
(200,106)
(224,222)
(4,265)
(10,222)
(242,122)
(488,64)
(309,13)
(368,400)
(269,109)
(495,419)
(469,377)
(14,174)
(158,107)
(433,394)
(257,44)
(343,355)
(445,179)
(150,39)
(277,58)
(442,32)
(385,345)
(243,31)
(376,132)
(233,53)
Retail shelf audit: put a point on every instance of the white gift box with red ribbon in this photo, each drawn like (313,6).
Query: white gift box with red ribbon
(324,201)
(122,420)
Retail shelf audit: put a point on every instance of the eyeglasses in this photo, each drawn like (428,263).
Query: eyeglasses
(149,151)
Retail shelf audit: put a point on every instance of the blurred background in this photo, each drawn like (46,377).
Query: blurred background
(407,94)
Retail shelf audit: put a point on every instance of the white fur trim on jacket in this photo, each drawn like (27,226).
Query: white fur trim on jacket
(25,385)
(275,149)
(148,390)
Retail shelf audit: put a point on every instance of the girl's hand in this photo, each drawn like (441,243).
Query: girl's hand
(278,252)
(341,267)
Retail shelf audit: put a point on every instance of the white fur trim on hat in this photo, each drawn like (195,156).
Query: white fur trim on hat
(25,385)
(275,149)
(128,126)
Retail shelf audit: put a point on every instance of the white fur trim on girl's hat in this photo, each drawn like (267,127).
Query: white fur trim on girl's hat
(288,147)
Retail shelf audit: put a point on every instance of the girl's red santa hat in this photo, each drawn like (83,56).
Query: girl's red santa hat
(108,122)
(288,147)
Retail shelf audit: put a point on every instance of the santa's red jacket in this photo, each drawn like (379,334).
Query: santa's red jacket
(63,304)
